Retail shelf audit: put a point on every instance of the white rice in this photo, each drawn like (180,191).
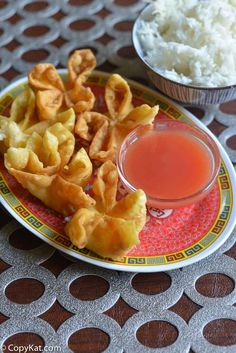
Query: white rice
(191,41)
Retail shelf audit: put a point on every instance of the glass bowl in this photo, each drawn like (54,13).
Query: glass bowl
(172,127)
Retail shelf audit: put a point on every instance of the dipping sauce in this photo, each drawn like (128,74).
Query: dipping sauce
(169,164)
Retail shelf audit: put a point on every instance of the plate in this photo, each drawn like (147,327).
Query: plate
(171,238)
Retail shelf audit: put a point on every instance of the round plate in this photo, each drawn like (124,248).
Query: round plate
(171,238)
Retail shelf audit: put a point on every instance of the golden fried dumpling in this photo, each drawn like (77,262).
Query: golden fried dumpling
(118,97)
(80,64)
(48,103)
(141,115)
(67,198)
(66,118)
(108,237)
(79,170)
(88,123)
(105,187)
(111,227)
(45,154)
(66,142)
(102,146)
(80,98)
(45,77)
(105,136)
(11,135)
(49,88)
(82,225)
(16,130)
(131,207)
(54,191)
(22,116)
(23,109)
(52,95)
(95,127)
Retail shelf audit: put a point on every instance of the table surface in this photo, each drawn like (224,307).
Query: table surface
(73,306)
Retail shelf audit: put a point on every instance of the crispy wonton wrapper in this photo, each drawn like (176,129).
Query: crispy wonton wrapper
(48,103)
(118,97)
(106,132)
(63,191)
(16,129)
(66,118)
(80,65)
(22,116)
(11,135)
(52,95)
(45,154)
(95,128)
(105,187)
(79,170)
(111,228)
(54,191)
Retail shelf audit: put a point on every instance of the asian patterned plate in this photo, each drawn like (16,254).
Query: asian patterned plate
(171,238)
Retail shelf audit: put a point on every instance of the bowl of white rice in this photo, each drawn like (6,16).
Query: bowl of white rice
(189,48)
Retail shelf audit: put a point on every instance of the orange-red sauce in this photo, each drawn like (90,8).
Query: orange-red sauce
(168,164)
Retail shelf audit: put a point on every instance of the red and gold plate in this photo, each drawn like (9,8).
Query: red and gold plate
(171,238)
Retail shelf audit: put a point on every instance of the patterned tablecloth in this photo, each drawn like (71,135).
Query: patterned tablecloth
(47,299)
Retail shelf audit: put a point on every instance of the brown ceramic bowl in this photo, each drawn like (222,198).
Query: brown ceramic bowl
(189,94)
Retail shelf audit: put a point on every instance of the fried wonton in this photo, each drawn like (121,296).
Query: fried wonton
(79,170)
(62,191)
(54,191)
(23,109)
(80,98)
(80,65)
(94,127)
(45,154)
(66,118)
(111,227)
(22,116)
(105,187)
(106,235)
(16,129)
(48,103)
(118,97)
(11,135)
(106,132)
(53,96)
(45,77)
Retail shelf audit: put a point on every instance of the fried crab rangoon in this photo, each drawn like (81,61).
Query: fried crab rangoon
(105,133)
(110,228)
(45,154)
(22,116)
(16,129)
(52,95)
(62,191)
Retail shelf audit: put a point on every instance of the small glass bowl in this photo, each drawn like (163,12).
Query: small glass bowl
(196,132)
